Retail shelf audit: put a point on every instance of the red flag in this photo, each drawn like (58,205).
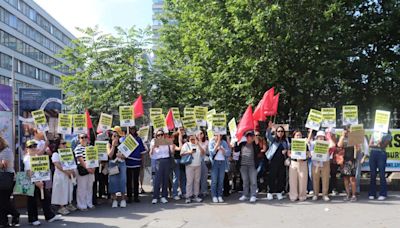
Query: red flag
(169,120)
(258,114)
(246,123)
(138,107)
(268,102)
(275,104)
(88,120)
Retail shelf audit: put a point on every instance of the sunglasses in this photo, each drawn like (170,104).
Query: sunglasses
(32,146)
(63,143)
(279,131)
(84,137)
(160,135)
(258,135)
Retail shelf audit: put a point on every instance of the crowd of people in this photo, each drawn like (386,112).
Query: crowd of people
(181,165)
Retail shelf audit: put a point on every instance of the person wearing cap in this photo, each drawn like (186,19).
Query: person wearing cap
(84,191)
(116,181)
(133,164)
(276,154)
(298,175)
(248,162)
(348,168)
(33,218)
(320,169)
(162,155)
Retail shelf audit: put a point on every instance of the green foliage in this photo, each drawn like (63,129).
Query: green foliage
(316,54)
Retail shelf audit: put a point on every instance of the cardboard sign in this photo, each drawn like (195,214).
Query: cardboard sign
(143,133)
(177,117)
(40,168)
(67,159)
(356,138)
(64,124)
(314,119)
(357,127)
(128,146)
(188,111)
(23,185)
(209,118)
(299,149)
(163,141)
(40,120)
(201,115)
(190,125)
(126,116)
(101,150)
(328,117)
(105,122)
(159,122)
(382,119)
(80,125)
(219,124)
(350,114)
(232,130)
(321,149)
(92,157)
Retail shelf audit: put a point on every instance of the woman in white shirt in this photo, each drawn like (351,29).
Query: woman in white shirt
(193,170)
(205,158)
(62,184)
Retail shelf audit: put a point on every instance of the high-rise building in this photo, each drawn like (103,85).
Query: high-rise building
(157,10)
(34,38)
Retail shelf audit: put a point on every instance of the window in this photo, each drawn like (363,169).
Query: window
(5,61)
(12,21)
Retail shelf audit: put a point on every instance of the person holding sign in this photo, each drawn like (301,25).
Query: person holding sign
(348,168)
(320,164)
(377,159)
(40,191)
(117,169)
(85,176)
(193,170)
(63,179)
(248,162)
(162,154)
(298,174)
(219,154)
(276,154)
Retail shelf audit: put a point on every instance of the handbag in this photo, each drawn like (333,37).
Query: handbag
(82,171)
(7,180)
(113,171)
(186,159)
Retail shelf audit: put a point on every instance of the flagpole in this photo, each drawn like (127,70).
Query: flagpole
(14,112)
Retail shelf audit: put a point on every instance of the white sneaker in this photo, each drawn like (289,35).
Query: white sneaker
(177,198)
(381,198)
(270,196)
(279,196)
(243,198)
(315,198)
(326,198)
(371,197)
(55,218)
(122,204)
(154,201)
(311,192)
(163,200)
(198,199)
(220,200)
(114,204)
(334,193)
(253,199)
(36,223)
(215,200)
(188,200)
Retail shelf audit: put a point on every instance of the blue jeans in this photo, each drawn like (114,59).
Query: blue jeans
(358,170)
(178,179)
(309,179)
(377,159)
(203,178)
(163,169)
(117,182)
(217,178)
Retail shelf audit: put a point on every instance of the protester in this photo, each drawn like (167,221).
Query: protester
(330,136)
(359,162)
(162,155)
(193,170)
(117,169)
(277,153)
(298,174)
(261,160)
(63,186)
(85,179)
(178,170)
(133,164)
(377,159)
(6,187)
(348,168)
(204,160)
(219,154)
(248,162)
(320,169)
(49,215)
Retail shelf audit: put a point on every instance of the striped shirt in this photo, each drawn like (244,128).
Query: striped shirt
(80,151)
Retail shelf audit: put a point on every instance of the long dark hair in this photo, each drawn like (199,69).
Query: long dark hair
(284,134)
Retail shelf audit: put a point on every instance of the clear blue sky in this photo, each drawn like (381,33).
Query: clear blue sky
(105,13)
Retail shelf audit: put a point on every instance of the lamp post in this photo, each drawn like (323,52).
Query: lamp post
(394,118)
(368,118)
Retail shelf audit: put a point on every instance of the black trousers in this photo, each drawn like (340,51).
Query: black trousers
(132,177)
(277,173)
(333,179)
(100,186)
(33,209)
(6,207)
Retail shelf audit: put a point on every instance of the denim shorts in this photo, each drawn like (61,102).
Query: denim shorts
(117,182)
